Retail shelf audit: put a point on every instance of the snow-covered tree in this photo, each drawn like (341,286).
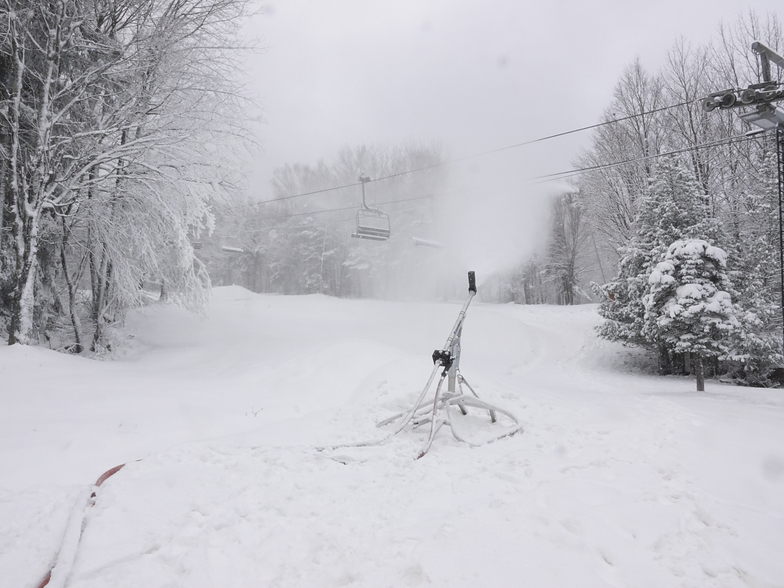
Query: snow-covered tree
(754,271)
(672,209)
(108,112)
(568,241)
(299,241)
(733,178)
(688,306)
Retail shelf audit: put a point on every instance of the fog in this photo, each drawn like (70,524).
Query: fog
(496,215)
(474,77)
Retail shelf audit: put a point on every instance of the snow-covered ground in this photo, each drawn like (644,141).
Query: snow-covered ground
(619,478)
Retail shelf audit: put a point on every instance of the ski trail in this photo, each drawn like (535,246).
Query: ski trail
(620,479)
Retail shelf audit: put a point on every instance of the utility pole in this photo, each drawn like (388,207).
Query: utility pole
(768,117)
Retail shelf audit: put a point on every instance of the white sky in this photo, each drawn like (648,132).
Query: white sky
(472,75)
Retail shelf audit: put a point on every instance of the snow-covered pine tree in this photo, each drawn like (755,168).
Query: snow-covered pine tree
(753,268)
(673,208)
(622,297)
(688,306)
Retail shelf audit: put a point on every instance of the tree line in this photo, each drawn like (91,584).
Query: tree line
(678,216)
(117,119)
(300,241)
(114,117)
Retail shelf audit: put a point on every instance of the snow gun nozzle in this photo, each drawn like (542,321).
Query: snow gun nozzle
(472,282)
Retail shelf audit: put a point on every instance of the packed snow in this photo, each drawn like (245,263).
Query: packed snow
(237,434)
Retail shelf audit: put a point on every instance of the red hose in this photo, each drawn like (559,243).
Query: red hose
(106,475)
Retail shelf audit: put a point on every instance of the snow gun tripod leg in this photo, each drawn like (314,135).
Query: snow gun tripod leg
(461,380)
(407,416)
(435,422)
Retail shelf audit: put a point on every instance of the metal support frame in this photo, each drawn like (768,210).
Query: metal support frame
(780,168)
(767,117)
(760,95)
(439,410)
(766,56)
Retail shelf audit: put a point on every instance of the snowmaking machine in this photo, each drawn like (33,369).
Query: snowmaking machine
(446,407)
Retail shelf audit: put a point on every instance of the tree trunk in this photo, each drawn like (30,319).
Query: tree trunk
(71,284)
(22,303)
(700,372)
(101,302)
(665,364)
(5,147)
(28,182)
(15,334)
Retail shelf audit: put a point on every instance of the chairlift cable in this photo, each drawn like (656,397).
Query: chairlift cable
(539,140)
(334,221)
(484,153)
(337,209)
(541,179)
(573,172)
(318,226)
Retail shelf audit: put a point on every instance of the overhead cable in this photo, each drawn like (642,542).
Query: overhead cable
(539,179)
(573,172)
(339,209)
(542,179)
(484,153)
(532,141)
(318,226)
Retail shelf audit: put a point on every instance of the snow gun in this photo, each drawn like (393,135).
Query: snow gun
(440,410)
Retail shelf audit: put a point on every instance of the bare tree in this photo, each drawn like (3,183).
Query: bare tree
(612,193)
(302,244)
(569,240)
(111,108)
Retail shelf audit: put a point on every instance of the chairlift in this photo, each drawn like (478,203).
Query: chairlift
(372,224)
(424,240)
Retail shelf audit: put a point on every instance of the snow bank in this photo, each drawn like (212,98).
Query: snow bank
(620,479)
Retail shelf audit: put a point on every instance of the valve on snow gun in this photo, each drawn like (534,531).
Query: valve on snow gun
(445,357)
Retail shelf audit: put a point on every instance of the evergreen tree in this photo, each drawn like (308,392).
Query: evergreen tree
(688,306)
(672,209)
(754,270)
(734,177)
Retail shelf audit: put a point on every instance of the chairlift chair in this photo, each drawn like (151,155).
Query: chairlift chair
(371,223)
(423,239)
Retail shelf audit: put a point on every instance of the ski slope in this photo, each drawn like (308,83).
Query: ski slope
(619,478)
